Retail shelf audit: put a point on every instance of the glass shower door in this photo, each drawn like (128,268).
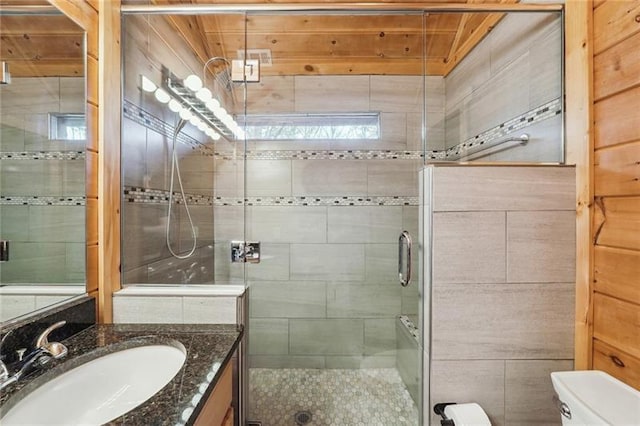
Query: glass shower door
(334,144)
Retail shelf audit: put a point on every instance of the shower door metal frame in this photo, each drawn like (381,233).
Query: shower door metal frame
(195,9)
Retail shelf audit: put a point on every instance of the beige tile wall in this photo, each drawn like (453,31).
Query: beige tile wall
(325,293)
(324,268)
(47,241)
(516,68)
(146,163)
(502,288)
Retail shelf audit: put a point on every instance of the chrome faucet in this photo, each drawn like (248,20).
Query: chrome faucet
(44,352)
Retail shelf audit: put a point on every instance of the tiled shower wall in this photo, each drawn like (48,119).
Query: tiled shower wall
(42,183)
(150,43)
(503,271)
(517,68)
(326,294)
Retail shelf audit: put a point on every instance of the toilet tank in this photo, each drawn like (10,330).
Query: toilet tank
(595,398)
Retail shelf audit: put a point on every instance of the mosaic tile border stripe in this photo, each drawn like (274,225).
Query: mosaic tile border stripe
(487,138)
(322,201)
(150,121)
(156,196)
(43,155)
(343,155)
(8,200)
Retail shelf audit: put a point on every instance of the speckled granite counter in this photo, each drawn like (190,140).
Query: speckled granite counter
(209,349)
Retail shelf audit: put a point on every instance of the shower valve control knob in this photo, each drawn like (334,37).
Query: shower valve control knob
(245,252)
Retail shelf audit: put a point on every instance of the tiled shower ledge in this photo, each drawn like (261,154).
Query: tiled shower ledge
(234,290)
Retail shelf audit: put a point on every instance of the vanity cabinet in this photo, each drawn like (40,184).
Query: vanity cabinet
(218,410)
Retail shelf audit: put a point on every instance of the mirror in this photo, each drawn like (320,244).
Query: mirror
(42,160)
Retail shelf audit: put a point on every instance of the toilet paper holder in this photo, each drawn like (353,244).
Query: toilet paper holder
(465,414)
(439,410)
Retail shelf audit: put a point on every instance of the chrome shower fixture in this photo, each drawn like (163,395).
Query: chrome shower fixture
(194,103)
(223,76)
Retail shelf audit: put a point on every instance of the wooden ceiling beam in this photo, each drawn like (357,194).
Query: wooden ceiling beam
(37,25)
(284,46)
(188,27)
(47,68)
(42,47)
(332,24)
(475,36)
(456,41)
(354,66)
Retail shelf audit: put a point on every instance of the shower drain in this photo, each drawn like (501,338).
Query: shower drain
(302,418)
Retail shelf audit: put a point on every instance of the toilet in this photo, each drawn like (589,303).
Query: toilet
(595,398)
(469,414)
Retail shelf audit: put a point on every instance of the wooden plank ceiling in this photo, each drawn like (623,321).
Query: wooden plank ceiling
(341,44)
(299,43)
(41,45)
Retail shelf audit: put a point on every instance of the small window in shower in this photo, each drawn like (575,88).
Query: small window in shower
(68,127)
(313,126)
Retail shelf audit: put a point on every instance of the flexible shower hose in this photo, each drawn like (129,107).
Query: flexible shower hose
(175,169)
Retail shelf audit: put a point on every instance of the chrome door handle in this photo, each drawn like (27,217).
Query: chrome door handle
(404,238)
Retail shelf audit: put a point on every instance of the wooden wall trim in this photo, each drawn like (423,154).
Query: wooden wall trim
(616,224)
(579,151)
(86,17)
(109,159)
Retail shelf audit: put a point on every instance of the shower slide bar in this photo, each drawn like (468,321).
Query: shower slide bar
(521,140)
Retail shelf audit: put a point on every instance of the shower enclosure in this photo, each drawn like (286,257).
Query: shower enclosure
(339,110)
(325,178)
(334,144)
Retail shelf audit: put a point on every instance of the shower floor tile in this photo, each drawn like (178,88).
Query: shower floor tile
(364,397)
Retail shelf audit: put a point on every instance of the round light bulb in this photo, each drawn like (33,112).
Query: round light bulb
(175,105)
(147,85)
(162,96)
(213,104)
(220,112)
(185,114)
(204,94)
(193,83)
(194,120)
(201,126)
(215,136)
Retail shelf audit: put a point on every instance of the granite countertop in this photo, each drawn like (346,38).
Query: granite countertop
(209,349)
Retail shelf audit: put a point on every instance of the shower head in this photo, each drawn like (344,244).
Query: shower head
(221,75)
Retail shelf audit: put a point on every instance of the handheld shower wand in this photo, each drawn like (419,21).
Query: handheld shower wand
(175,169)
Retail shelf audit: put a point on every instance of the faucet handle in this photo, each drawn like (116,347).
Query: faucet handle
(57,350)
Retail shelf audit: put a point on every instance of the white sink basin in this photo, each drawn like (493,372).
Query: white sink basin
(100,390)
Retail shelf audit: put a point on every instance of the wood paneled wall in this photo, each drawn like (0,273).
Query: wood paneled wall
(101,21)
(616,174)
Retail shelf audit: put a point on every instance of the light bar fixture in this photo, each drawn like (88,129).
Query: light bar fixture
(195,104)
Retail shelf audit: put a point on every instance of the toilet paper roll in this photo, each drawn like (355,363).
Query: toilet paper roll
(467,415)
